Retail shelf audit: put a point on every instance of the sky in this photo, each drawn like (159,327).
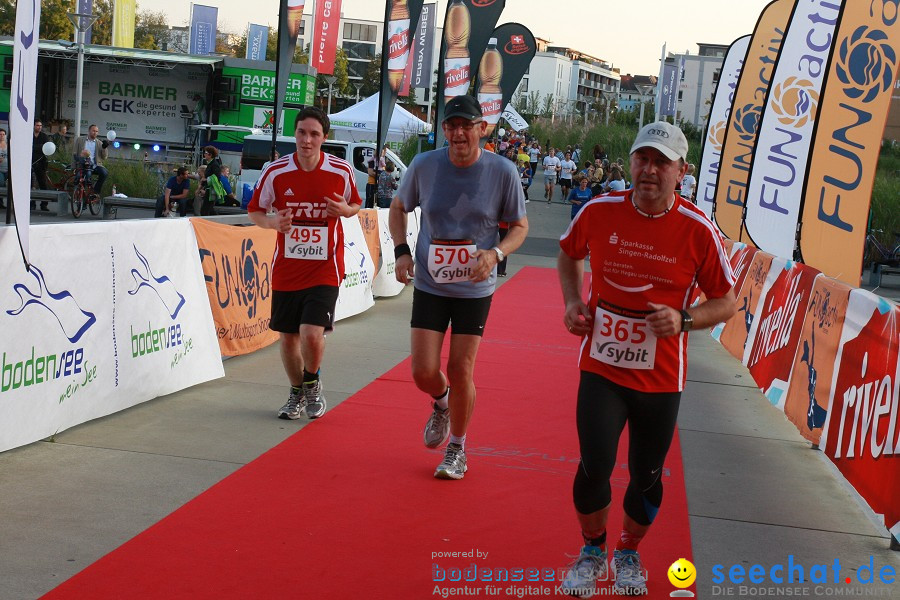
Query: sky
(627,33)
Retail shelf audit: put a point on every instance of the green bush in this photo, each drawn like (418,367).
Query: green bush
(137,179)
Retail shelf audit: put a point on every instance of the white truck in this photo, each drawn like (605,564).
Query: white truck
(257,149)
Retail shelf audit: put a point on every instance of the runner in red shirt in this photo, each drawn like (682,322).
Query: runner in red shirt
(303,197)
(649,248)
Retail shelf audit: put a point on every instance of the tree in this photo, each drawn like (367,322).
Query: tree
(55,24)
(547,106)
(371,83)
(151,30)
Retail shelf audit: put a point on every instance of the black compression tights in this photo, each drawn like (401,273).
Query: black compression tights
(603,409)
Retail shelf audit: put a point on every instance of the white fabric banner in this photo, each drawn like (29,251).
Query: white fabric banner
(355,294)
(21,115)
(386,283)
(778,171)
(514,119)
(80,343)
(708,175)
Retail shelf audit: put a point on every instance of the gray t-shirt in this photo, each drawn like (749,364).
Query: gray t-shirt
(460,204)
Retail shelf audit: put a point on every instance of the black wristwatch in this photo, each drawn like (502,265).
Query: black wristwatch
(687,321)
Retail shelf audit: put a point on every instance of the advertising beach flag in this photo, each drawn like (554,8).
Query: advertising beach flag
(423,54)
(203,29)
(257,41)
(506,59)
(669,97)
(85,7)
(749,99)
(715,126)
(21,117)
(852,114)
(468,26)
(325,36)
(290,16)
(785,131)
(401,18)
(123,24)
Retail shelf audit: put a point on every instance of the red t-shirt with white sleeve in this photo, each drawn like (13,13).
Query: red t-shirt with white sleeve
(312,253)
(634,260)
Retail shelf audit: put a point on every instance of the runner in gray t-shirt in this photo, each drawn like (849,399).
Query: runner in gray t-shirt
(464,193)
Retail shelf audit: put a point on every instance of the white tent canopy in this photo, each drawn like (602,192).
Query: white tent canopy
(359,123)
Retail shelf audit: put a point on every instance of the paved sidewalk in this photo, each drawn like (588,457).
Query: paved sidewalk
(757,492)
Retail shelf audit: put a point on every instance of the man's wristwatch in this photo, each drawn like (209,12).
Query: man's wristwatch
(687,321)
(500,255)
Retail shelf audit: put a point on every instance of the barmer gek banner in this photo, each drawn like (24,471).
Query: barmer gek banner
(203,29)
(504,63)
(468,25)
(742,128)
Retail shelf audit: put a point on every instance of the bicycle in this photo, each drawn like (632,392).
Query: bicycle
(59,175)
(876,252)
(81,190)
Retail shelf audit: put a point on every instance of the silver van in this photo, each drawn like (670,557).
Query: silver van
(257,149)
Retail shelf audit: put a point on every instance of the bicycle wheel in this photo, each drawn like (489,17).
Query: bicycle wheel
(93,203)
(77,201)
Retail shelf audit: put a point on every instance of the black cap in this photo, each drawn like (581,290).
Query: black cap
(463,106)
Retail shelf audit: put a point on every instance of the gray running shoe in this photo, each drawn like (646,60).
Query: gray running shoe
(454,464)
(314,399)
(582,576)
(293,407)
(437,429)
(630,577)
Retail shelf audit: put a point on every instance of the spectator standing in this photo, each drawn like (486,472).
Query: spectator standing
(386,186)
(688,184)
(38,160)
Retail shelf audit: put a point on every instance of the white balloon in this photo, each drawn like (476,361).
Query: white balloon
(501,132)
(48,148)
(111,135)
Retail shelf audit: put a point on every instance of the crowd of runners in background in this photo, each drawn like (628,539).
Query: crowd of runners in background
(579,174)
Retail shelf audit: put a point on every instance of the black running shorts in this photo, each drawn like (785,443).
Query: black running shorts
(312,306)
(467,315)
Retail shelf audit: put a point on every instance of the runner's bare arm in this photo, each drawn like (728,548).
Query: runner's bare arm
(488,259)
(666,321)
(403,268)
(577,317)
(280,221)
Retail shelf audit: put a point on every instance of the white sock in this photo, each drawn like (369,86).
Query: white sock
(456,439)
(442,402)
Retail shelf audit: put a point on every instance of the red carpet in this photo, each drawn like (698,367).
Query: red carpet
(348,507)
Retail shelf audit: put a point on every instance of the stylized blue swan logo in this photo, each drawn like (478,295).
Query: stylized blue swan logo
(73,320)
(163,287)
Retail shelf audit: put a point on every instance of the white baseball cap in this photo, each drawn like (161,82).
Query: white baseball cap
(662,136)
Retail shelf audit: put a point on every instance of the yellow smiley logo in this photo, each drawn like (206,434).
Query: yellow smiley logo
(682,573)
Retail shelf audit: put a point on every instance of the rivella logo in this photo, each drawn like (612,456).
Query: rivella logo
(516,45)
(482,3)
(865,64)
(794,101)
(746,121)
(72,319)
(162,287)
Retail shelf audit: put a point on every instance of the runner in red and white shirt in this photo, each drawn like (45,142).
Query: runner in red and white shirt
(649,249)
(303,197)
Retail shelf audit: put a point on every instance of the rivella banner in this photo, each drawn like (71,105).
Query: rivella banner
(468,26)
(401,19)
(861,433)
(852,116)
(81,343)
(723,99)
(784,139)
(237,269)
(502,67)
(741,130)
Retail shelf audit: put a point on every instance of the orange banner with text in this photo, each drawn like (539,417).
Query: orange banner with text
(741,132)
(237,267)
(807,401)
(852,115)
(737,329)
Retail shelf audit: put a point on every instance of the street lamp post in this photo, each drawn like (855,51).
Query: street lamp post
(357,85)
(82,23)
(330,79)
